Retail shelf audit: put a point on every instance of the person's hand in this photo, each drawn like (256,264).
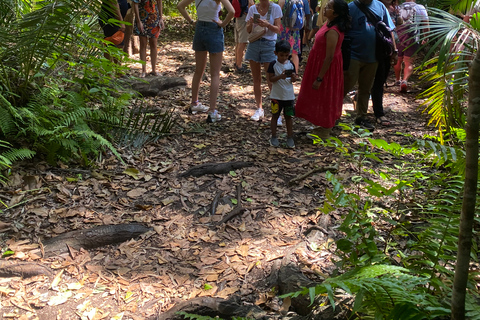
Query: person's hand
(218,22)
(294,77)
(140,27)
(394,59)
(122,27)
(316,85)
(263,23)
(162,24)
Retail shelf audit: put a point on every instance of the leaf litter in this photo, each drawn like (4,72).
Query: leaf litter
(185,255)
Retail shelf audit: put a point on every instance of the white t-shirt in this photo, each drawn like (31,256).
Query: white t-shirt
(282,89)
(207,10)
(274,14)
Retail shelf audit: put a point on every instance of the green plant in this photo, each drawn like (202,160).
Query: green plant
(8,155)
(381,292)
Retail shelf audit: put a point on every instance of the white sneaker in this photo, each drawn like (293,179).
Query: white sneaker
(198,108)
(257,115)
(279,121)
(213,117)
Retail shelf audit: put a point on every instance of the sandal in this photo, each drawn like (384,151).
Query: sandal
(153,73)
(383,121)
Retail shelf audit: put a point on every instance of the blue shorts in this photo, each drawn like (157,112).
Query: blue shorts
(261,51)
(208,37)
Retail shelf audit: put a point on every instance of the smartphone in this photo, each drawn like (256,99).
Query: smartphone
(288,72)
(256,17)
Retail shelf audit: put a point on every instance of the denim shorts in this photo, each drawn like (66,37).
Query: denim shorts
(261,51)
(208,37)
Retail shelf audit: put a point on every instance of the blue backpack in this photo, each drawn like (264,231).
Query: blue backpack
(293,15)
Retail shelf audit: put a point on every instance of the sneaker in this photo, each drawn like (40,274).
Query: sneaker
(398,82)
(198,108)
(403,86)
(364,123)
(257,115)
(274,142)
(213,117)
(290,143)
(279,121)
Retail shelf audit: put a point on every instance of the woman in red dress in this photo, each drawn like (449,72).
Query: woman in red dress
(321,94)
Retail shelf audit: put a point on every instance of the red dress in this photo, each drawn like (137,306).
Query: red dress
(322,107)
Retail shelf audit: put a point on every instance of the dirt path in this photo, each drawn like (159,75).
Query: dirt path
(185,255)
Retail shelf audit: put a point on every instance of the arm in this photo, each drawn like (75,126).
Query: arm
(332,39)
(160,14)
(137,17)
(275,27)
(119,14)
(231,12)
(182,7)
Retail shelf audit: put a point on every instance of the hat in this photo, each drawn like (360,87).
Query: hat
(116,38)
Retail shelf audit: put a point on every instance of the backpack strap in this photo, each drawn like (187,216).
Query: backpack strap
(367,12)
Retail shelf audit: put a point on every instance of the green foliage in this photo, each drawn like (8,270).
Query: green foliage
(58,93)
(382,292)
(452,44)
(419,230)
(8,155)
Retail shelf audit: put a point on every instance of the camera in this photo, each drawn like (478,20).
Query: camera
(288,72)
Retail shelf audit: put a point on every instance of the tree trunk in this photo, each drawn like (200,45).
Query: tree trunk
(469,194)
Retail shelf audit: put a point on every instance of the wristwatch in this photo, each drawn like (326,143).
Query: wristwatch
(319,79)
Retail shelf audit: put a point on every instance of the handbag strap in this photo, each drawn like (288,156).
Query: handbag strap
(368,13)
(269,9)
(198,5)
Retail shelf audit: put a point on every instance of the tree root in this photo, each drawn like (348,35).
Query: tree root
(313,171)
(92,238)
(23,269)
(212,307)
(215,168)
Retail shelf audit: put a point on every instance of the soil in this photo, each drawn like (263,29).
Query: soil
(187,254)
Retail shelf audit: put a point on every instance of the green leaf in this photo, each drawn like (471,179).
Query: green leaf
(206,286)
(232,173)
(234,201)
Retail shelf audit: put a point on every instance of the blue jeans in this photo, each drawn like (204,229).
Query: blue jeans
(208,37)
(261,51)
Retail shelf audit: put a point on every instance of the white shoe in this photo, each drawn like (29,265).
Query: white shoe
(279,121)
(213,117)
(257,115)
(198,108)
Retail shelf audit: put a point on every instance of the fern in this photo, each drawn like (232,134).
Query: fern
(382,292)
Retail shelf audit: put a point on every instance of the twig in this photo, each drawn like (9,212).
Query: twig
(313,171)
(236,211)
(215,203)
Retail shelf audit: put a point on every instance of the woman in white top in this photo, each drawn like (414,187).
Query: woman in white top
(261,52)
(208,39)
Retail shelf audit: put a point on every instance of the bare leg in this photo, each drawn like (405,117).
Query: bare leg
(273,124)
(153,54)
(398,69)
(257,82)
(296,62)
(200,64)
(143,54)
(289,124)
(408,70)
(215,65)
(239,50)
(265,68)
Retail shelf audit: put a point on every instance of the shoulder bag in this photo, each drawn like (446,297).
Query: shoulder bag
(257,31)
(384,43)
